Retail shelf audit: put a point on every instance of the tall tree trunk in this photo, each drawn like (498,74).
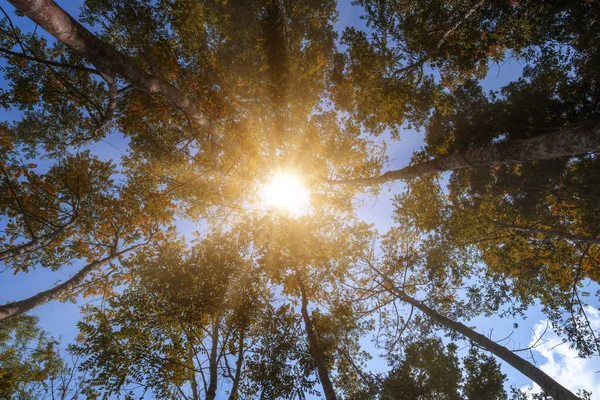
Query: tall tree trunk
(52,18)
(19,307)
(34,243)
(211,392)
(549,385)
(238,369)
(568,141)
(315,349)
(193,380)
(550,233)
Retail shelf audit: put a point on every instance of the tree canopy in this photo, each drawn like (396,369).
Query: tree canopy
(208,103)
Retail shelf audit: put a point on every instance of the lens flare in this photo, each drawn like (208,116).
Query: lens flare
(286,192)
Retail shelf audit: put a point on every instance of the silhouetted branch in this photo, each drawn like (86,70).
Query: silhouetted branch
(49,62)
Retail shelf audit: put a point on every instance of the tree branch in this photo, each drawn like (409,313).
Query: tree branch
(113,96)
(49,62)
(19,307)
(35,242)
(549,385)
(52,18)
(568,141)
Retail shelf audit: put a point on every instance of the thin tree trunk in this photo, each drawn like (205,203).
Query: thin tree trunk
(238,369)
(193,381)
(19,307)
(34,243)
(568,141)
(315,350)
(550,233)
(211,392)
(52,18)
(549,385)
(195,394)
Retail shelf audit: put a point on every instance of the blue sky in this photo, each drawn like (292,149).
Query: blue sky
(60,319)
(561,362)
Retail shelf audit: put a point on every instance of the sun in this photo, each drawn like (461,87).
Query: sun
(286,192)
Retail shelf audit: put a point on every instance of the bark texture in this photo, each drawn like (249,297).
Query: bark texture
(53,19)
(315,350)
(19,307)
(549,385)
(568,141)
(111,105)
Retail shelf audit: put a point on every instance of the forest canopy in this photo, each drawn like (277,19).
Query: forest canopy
(193,176)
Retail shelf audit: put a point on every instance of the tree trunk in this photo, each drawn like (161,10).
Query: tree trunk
(52,18)
(549,385)
(19,307)
(193,381)
(568,141)
(211,392)
(31,245)
(238,369)
(315,350)
(550,233)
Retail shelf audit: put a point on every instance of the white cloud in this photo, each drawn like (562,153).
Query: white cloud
(562,364)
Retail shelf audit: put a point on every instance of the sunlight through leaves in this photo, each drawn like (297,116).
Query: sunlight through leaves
(286,191)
